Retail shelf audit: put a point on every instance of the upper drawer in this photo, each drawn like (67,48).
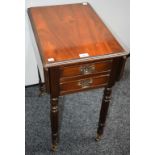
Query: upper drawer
(85,69)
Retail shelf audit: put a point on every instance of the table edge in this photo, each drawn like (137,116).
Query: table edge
(86,59)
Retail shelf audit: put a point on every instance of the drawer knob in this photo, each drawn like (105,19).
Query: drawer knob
(85,83)
(87,69)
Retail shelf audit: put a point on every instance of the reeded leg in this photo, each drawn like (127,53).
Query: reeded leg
(54,122)
(103,112)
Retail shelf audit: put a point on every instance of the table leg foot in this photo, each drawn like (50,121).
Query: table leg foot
(54,147)
(42,90)
(42,94)
(98,137)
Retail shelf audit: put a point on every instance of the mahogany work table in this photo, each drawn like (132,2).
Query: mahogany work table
(78,53)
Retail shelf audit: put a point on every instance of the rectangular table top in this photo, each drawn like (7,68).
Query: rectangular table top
(71,33)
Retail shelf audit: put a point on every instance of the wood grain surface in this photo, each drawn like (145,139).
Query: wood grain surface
(63,32)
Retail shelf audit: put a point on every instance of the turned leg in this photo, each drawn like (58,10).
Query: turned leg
(54,122)
(103,112)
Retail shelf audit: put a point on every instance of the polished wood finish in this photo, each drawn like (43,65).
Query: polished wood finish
(75,78)
(54,113)
(65,31)
(103,112)
(62,33)
(74,86)
(85,69)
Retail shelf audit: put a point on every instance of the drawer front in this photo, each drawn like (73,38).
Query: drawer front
(82,84)
(86,69)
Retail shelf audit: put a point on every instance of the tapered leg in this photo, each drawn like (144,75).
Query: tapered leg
(54,122)
(103,112)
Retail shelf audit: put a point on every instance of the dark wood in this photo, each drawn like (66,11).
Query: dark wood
(76,70)
(74,86)
(103,112)
(42,86)
(122,62)
(47,82)
(62,33)
(107,97)
(75,78)
(54,113)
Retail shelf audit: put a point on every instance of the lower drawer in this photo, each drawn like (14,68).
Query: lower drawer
(82,84)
